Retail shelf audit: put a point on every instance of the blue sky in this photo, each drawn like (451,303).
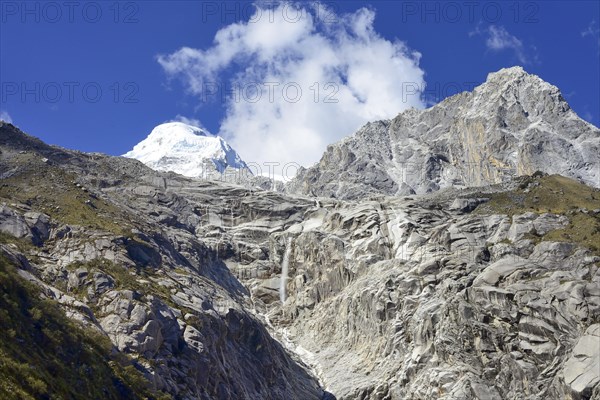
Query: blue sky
(98,76)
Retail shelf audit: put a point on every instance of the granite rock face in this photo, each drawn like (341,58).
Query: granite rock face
(476,293)
(580,371)
(513,124)
(143,266)
(427,303)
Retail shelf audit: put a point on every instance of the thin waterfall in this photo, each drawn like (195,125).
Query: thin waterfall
(284,269)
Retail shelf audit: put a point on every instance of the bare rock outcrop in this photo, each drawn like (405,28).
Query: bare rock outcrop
(513,124)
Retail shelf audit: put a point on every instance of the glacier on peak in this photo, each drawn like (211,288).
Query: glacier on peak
(185,149)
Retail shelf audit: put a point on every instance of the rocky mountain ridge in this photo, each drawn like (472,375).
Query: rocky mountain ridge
(513,124)
(203,289)
(484,293)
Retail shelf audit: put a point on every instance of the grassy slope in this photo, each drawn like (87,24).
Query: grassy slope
(553,194)
(52,190)
(45,355)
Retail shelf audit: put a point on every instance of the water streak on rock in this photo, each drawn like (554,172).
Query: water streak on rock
(284,269)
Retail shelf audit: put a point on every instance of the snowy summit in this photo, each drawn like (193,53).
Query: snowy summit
(186,150)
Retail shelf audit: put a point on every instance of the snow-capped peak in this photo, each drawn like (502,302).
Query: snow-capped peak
(185,149)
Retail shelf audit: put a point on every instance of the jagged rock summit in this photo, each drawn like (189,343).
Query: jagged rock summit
(186,150)
(513,124)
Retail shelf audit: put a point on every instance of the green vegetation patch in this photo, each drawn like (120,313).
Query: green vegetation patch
(53,191)
(542,194)
(45,355)
(557,195)
(138,279)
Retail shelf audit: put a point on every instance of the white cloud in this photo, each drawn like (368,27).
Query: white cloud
(300,82)
(5,116)
(499,39)
(190,121)
(592,30)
